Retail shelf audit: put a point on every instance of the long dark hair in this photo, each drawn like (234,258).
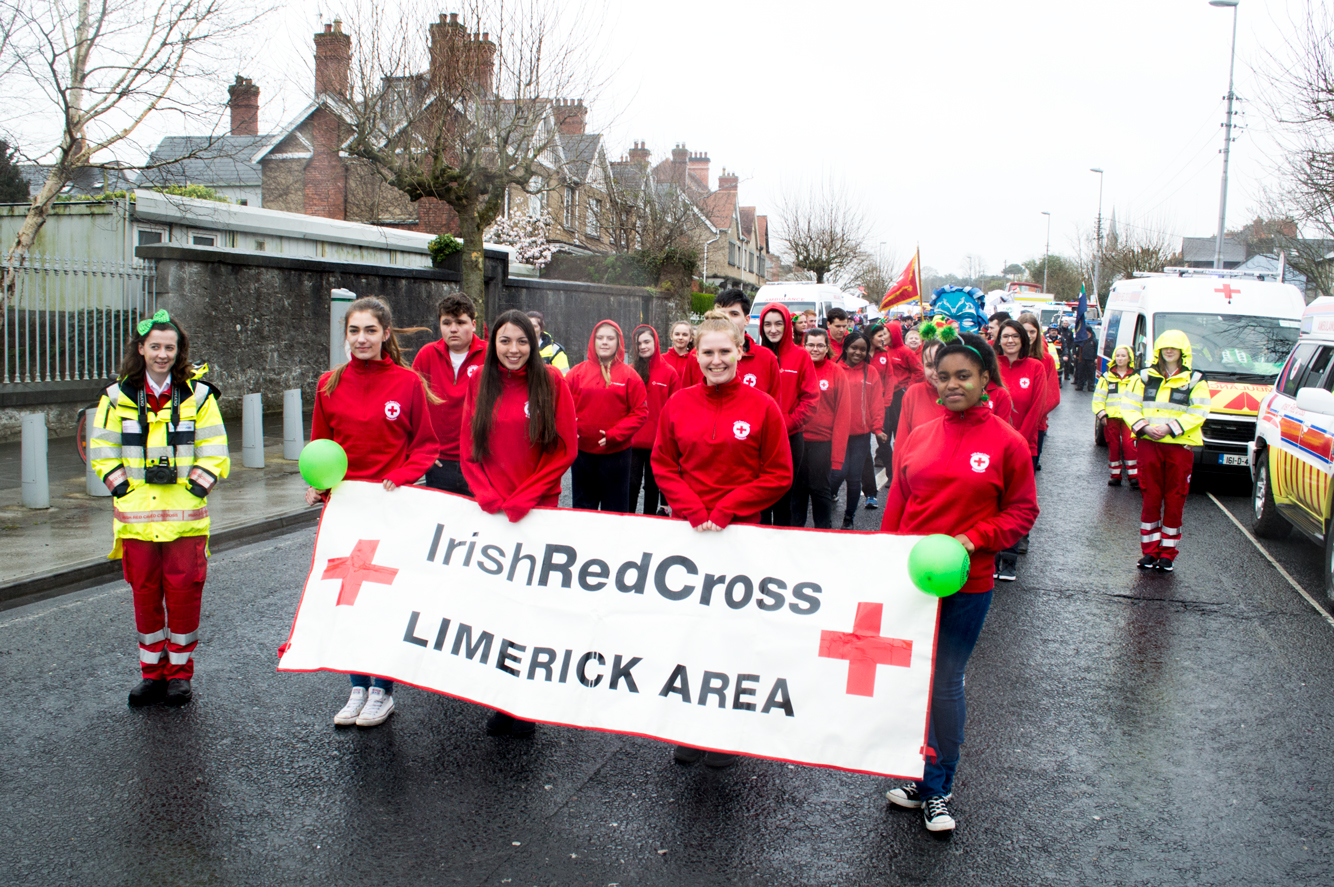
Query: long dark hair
(642,364)
(133,366)
(541,390)
(848,340)
(764,340)
(1037,346)
(385,317)
(1024,344)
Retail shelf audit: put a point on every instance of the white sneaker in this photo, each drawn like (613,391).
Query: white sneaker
(379,707)
(347,715)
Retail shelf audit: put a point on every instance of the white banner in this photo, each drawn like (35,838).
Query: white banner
(796,645)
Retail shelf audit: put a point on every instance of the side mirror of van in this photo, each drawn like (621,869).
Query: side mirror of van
(1139,358)
(1315,400)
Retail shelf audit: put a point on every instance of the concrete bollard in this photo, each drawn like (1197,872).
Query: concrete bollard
(252,431)
(36,492)
(91,480)
(339,300)
(294,433)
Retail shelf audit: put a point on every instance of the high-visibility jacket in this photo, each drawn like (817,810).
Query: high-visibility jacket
(1180,401)
(553,354)
(1109,393)
(128,437)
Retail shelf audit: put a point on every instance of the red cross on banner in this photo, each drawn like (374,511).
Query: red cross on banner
(1228,291)
(864,648)
(357,568)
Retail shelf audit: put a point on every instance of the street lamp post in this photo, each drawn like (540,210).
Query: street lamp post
(1046,253)
(1097,259)
(1227,131)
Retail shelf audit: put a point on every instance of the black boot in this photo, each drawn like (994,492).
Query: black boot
(847,522)
(178,692)
(148,692)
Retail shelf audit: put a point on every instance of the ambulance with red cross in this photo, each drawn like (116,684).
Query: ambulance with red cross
(1242,327)
(1294,441)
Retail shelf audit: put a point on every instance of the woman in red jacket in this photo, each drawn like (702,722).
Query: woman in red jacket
(921,402)
(662,382)
(722,454)
(682,336)
(611,404)
(967,475)
(518,438)
(796,395)
(378,410)
(882,360)
(1037,349)
(1026,380)
(825,435)
(868,418)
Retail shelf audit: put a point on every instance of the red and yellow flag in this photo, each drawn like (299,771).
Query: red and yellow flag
(905,289)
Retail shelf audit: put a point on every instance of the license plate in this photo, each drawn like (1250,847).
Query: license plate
(1227,459)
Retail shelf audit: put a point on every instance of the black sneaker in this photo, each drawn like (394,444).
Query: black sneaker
(501,724)
(718,760)
(1148,562)
(1021,547)
(1007,571)
(906,796)
(1163,566)
(1114,482)
(686,754)
(147,692)
(178,692)
(936,815)
(847,523)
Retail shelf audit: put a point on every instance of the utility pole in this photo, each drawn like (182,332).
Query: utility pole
(1227,132)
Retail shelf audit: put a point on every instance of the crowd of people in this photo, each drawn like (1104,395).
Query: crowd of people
(715,429)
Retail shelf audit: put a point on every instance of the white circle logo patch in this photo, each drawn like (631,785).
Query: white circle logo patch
(979,462)
(824,384)
(750,379)
(526,414)
(392,409)
(472,370)
(741,429)
(1025,382)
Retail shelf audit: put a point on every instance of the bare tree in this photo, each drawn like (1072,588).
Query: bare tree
(483,120)
(824,229)
(103,68)
(1138,250)
(875,274)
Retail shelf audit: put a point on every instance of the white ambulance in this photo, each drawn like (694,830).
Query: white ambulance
(1294,441)
(1241,326)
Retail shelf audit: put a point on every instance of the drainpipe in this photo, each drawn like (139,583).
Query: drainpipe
(704,279)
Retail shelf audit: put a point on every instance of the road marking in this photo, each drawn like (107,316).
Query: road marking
(49,610)
(1277,566)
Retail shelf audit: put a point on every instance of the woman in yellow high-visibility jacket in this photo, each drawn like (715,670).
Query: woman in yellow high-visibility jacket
(1108,409)
(1165,407)
(159,445)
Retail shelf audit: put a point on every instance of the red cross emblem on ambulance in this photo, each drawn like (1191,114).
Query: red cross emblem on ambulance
(1227,290)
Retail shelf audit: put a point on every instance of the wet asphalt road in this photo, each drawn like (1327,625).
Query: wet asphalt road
(1125,728)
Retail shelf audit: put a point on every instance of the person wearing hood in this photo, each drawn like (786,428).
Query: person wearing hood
(882,362)
(825,434)
(758,367)
(661,382)
(1086,352)
(447,365)
(1165,407)
(797,393)
(610,405)
(1108,410)
(681,338)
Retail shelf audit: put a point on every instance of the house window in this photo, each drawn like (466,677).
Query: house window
(259,246)
(148,237)
(244,202)
(203,240)
(591,220)
(731,253)
(570,199)
(537,197)
(760,263)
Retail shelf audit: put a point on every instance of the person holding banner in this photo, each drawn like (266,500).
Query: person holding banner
(967,474)
(662,382)
(825,435)
(378,410)
(610,405)
(796,395)
(682,336)
(868,418)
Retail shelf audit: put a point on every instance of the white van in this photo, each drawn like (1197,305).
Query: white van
(1241,328)
(798,296)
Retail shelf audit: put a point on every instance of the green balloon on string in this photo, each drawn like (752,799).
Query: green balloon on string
(938,565)
(323,464)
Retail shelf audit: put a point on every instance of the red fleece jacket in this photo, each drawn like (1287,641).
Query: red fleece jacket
(679,362)
(435,366)
(722,454)
(663,382)
(866,398)
(1026,379)
(796,373)
(918,408)
(885,367)
(832,416)
(616,409)
(517,476)
(907,363)
(378,414)
(999,401)
(1053,385)
(966,473)
(758,368)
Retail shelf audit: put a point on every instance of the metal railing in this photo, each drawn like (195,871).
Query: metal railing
(69,319)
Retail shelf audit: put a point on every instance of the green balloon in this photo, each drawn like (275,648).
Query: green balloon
(938,565)
(323,464)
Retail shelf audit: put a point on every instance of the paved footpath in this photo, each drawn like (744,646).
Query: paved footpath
(1125,728)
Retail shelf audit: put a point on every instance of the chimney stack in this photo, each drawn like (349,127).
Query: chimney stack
(571,116)
(639,154)
(727,181)
(484,56)
(243,100)
(699,168)
(447,38)
(333,59)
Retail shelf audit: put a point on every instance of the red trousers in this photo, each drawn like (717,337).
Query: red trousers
(1120,449)
(168,582)
(1164,480)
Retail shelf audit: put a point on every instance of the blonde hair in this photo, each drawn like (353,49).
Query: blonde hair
(678,323)
(716,321)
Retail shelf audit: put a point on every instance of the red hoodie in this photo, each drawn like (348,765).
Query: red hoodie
(885,367)
(1053,384)
(967,473)
(435,366)
(615,410)
(866,398)
(722,454)
(1026,379)
(679,362)
(832,417)
(796,373)
(920,406)
(907,363)
(663,382)
(758,369)
(378,414)
(517,476)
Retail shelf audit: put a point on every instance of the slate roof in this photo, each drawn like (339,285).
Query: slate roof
(92,181)
(1195,250)
(581,151)
(207,160)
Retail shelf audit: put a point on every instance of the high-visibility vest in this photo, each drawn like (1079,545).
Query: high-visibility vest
(1110,391)
(186,435)
(1181,402)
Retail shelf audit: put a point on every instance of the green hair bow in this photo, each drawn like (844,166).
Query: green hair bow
(147,324)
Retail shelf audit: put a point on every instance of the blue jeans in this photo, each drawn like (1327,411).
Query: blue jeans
(961,618)
(364,680)
(858,451)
